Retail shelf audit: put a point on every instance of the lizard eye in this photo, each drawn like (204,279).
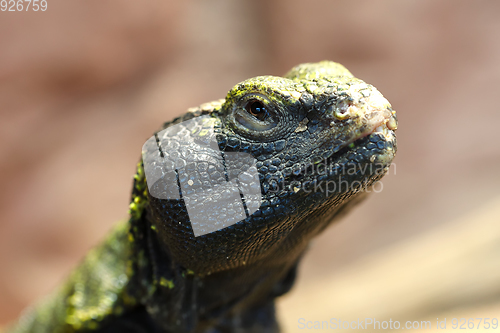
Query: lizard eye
(256,109)
(256,113)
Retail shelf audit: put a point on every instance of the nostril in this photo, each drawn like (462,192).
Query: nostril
(343,111)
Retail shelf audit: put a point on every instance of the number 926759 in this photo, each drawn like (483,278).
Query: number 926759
(23,5)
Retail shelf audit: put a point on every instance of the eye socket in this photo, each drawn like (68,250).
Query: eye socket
(257,109)
(255,113)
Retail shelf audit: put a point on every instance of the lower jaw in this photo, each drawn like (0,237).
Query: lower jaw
(377,147)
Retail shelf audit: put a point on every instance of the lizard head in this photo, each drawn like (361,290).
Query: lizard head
(250,179)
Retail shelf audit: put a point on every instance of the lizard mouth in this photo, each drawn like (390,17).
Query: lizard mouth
(386,127)
(374,141)
(378,123)
(378,145)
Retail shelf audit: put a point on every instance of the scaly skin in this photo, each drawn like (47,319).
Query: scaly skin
(323,141)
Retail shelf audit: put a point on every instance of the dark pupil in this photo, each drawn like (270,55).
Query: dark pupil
(257,110)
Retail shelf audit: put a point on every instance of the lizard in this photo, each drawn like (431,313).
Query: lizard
(313,144)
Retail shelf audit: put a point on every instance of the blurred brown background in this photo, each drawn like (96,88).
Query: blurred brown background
(85,83)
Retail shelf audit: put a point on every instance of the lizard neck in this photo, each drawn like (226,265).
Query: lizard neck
(178,299)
